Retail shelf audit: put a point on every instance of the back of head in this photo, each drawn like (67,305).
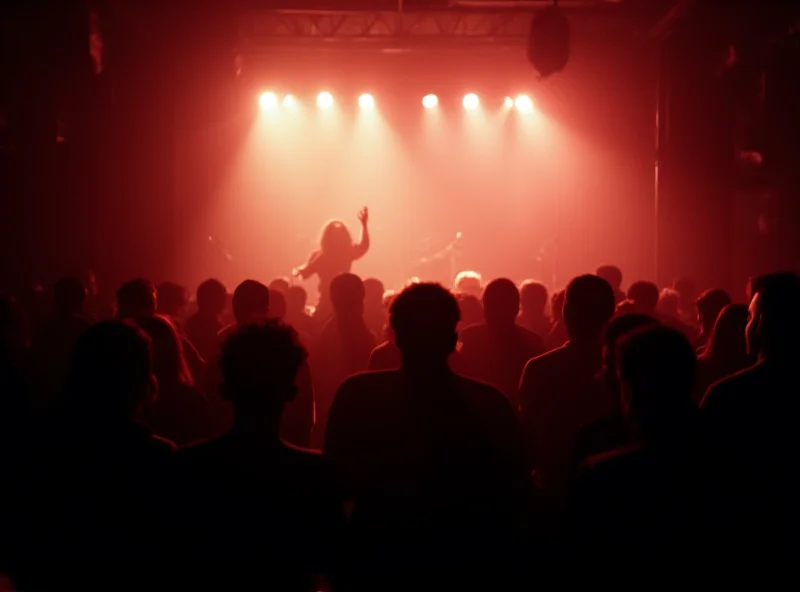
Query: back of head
(589,304)
(296,299)
(501,302)
(469,282)
(668,303)
(644,296)
(169,364)
(110,373)
(277,304)
(616,329)
(777,314)
(656,368)
(728,337)
(336,238)
(709,304)
(612,274)
(685,287)
(250,301)
(259,363)
(470,308)
(347,295)
(212,297)
(533,297)
(69,296)
(136,299)
(280,284)
(424,318)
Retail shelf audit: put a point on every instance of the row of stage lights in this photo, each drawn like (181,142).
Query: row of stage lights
(270,101)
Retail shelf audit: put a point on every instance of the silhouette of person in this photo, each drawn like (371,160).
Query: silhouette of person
(559,392)
(374,311)
(613,275)
(709,304)
(644,297)
(259,512)
(669,313)
(115,510)
(204,325)
(752,419)
(280,284)
(179,411)
(687,295)
(431,457)
(251,303)
(471,310)
(335,256)
(297,315)
(533,299)
(344,345)
(138,299)
(469,283)
(610,431)
(277,304)
(497,350)
(726,351)
(643,500)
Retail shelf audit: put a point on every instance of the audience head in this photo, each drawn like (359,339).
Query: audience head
(169,363)
(111,373)
(533,297)
(388,298)
(250,302)
(280,284)
(589,304)
(669,302)
(656,369)
(296,300)
(424,318)
(259,363)
(136,299)
(500,302)
(626,307)
(773,330)
(470,308)
(728,339)
(373,292)
(347,296)
(172,299)
(69,296)
(212,297)
(616,329)
(644,296)
(557,305)
(277,304)
(612,274)
(335,238)
(709,304)
(469,282)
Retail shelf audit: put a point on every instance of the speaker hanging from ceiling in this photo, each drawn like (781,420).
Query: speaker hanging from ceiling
(549,41)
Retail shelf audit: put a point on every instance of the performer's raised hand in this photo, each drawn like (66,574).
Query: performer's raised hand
(363,216)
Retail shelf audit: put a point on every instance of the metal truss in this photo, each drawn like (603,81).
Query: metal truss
(287,25)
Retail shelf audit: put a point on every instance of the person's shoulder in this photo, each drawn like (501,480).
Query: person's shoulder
(611,460)
(727,390)
(311,460)
(553,356)
(530,337)
(162,445)
(196,451)
(366,381)
(471,332)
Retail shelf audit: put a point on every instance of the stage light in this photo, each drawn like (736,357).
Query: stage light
(366,101)
(508,102)
(324,100)
(430,101)
(523,103)
(289,101)
(471,101)
(268,100)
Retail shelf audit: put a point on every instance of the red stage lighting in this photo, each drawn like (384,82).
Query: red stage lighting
(523,103)
(430,101)
(366,101)
(268,101)
(471,101)
(324,100)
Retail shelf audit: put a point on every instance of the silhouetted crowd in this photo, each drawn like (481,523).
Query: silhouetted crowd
(493,437)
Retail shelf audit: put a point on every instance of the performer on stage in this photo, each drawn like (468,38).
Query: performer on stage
(335,255)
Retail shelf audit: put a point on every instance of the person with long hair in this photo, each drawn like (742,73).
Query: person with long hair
(726,350)
(335,256)
(180,410)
